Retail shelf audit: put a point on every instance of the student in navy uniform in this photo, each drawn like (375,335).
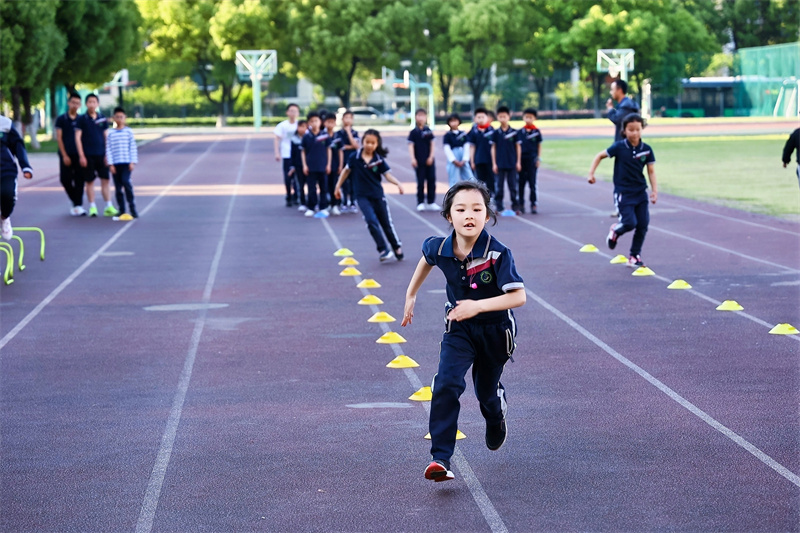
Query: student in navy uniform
(349,140)
(334,160)
(480,148)
(457,151)
(366,166)
(314,153)
(504,159)
(420,148)
(529,153)
(625,106)
(298,179)
(90,140)
(12,152)
(631,155)
(482,287)
(69,164)
(792,143)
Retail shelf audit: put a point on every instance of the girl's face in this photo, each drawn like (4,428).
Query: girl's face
(633,132)
(370,143)
(453,124)
(468,213)
(301,130)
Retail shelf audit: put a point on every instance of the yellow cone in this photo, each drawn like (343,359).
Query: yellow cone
(350,271)
(126,217)
(588,248)
(730,305)
(784,329)
(370,299)
(619,260)
(459,435)
(679,284)
(402,361)
(368,284)
(422,395)
(348,261)
(390,338)
(342,252)
(643,271)
(381,316)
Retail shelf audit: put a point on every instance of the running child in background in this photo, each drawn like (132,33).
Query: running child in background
(314,154)
(349,140)
(90,140)
(480,149)
(420,148)
(122,156)
(482,287)
(12,152)
(457,151)
(296,176)
(366,167)
(283,150)
(529,153)
(69,166)
(631,156)
(504,160)
(334,167)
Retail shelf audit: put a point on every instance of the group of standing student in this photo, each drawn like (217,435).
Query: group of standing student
(86,152)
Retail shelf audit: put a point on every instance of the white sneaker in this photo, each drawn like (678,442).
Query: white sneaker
(79,211)
(302,208)
(335,211)
(309,213)
(326,211)
(5,229)
(420,207)
(433,207)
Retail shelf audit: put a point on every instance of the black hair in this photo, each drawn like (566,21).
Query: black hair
(633,117)
(74,95)
(347,112)
(491,115)
(381,150)
(503,109)
(454,116)
(119,110)
(530,111)
(291,106)
(329,116)
(302,123)
(91,95)
(481,110)
(420,111)
(622,85)
(312,114)
(468,185)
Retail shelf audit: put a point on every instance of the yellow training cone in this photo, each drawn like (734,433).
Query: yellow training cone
(422,395)
(348,261)
(402,361)
(784,329)
(350,271)
(125,217)
(588,248)
(643,271)
(459,435)
(679,284)
(730,305)
(381,316)
(619,260)
(390,338)
(370,299)
(368,284)
(342,252)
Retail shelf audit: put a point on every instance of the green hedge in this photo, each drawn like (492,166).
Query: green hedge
(198,121)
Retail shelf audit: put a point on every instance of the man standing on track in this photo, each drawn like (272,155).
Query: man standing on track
(625,106)
(283,151)
(71,175)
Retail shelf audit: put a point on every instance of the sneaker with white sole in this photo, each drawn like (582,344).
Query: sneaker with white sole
(309,213)
(420,207)
(433,207)
(93,211)
(635,261)
(335,211)
(6,231)
(78,211)
(302,208)
(439,470)
(386,255)
(611,239)
(110,211)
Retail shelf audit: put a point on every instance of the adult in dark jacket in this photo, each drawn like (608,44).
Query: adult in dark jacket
(792,144)
(625,106)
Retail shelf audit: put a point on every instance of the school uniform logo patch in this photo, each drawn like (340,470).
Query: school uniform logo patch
(486,277)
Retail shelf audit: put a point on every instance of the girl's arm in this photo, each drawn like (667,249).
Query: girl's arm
(651,173)
(430,157)
(303,159)
(337,191)
(411,153)
(519,157)
(494,159)
(472,149)
(330,158)
(599,157)
(465,309)
(393,180)
(420,273)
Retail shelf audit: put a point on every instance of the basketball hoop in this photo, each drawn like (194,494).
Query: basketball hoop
(256,66)
(616,61)
(377,83)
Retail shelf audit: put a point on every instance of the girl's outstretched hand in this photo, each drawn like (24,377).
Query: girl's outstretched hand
(408,312)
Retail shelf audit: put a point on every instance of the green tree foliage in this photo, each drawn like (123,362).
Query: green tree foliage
(762,22)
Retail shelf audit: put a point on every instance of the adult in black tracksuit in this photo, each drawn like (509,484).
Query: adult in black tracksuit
(69,161)
(12,151)
(792,144)
(625,106)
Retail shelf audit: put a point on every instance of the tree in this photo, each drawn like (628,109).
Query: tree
(761,22)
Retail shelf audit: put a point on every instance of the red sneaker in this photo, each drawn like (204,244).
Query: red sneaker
(438,471)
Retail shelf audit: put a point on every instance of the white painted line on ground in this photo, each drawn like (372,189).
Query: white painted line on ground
(66,283)
(116,254)
(482,500)
(760,455)
(184,307)
(153,492)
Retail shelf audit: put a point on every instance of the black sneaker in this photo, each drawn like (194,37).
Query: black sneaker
(611,240)
(533,210)
(496,435)
(635,261)
(399,255)
(134,213)
(439,470)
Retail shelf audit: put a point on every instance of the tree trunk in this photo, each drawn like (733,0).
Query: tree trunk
(597,82)
(446,85)
(477,84)
(16,105)
(344,95)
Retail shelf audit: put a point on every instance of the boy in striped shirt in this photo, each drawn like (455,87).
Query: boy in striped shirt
(122,157)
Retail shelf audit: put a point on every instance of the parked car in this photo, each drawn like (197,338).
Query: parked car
(361,115)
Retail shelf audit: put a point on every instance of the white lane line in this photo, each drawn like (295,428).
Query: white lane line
(482,500)
(679,236)
(66,283)
(705,417)
(153,493)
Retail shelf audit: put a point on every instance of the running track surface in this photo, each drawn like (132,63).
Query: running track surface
(632,407)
